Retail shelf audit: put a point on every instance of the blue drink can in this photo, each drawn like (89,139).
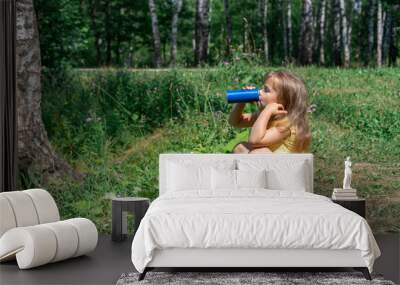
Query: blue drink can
(245,95)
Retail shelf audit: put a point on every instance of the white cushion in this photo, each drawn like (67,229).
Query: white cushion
(23,208)
(193,175)
(45,205)
(7,218)
(183,177)
(67,240)
(251,178)
(226,179)
(87,233)
(223,179)
(40,244)
(283,174)
(293,180)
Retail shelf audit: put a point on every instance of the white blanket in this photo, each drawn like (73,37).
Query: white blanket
(250,218)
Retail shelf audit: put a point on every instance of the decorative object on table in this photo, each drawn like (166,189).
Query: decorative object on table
(345,193)
(120,208)
(31,231)
(215,278)
(347,174)
(355,205)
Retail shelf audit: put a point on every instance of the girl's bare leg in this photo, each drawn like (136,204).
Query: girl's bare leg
(243,147)
(260,150)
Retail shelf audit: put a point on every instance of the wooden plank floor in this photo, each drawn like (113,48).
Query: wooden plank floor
(111,259)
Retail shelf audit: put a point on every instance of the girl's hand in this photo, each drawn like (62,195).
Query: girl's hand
(275,109)
(257,103)
(249,87)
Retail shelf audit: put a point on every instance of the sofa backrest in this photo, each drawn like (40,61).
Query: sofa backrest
(26,208)
(297,166)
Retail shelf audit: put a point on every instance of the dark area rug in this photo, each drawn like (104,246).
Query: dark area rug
(228,278)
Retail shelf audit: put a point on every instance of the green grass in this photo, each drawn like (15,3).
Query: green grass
(113,124)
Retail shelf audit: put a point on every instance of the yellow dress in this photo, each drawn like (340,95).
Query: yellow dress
(288,145)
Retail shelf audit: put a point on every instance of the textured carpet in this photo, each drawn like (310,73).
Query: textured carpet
(229,278)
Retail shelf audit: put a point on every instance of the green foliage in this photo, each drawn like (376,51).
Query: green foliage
(93,33)
(113,124)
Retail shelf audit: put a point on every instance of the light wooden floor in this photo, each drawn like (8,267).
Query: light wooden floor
(111,259)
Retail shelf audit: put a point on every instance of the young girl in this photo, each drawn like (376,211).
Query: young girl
(280,124)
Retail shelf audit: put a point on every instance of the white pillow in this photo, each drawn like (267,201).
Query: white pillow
(293,180)
(227,179)
(251,178)
(223,179)
(193,174)
(282,174)
(183,177)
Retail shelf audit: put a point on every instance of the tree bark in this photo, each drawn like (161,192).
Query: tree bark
(306,34)
(321,37)
(35,153)
(264,8)
(245,35)
(174,30)
(201,31)
(371,17)
(350,27)
(96,34)
(386,36)
(379,34)
(108,33)
(228,23)
(156,34)
(284,31)
(357,19)
(289,29)
(344,31)
(393,49)
(337,59)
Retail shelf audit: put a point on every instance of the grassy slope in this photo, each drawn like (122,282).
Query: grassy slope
(358,114)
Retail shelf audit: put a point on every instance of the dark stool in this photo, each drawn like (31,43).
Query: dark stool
(120,206)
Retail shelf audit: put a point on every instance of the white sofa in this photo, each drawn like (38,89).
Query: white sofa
(31,231)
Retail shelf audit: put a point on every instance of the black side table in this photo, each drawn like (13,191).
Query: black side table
(356,205)
(120,206)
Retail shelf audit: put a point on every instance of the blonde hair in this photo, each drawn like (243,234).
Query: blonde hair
(292,94)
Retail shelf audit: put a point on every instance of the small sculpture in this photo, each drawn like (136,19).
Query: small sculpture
(347,174)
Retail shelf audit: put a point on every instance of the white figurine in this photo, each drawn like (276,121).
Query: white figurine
(347,174)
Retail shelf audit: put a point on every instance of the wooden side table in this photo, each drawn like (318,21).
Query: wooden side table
(120,208)
(356,205)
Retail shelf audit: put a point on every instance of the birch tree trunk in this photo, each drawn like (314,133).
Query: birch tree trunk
(174,30)
(393,50)
(209,16)
(201,31)
(379,34)
(337,58)
(371,17)
(388,36)
(350,27)
(156,34)
(345,40)
(284,31)
(108,33)
(35,154)
(321,38)
(306,34)
(93,16)
(289,29)
(264,7)
(228,23)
